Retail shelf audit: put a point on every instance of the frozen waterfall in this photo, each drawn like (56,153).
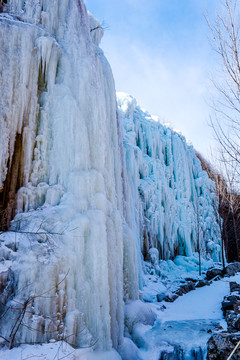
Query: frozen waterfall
(88,188)
(169,191)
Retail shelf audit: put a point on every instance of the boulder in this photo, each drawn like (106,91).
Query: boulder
(166,296)
(213,272)
(180,292)
(234,287)
(170,297)
(232,269)
(202,283)
(161,296)
(217,278)
(237,323)
(221,345)
(188,287)
(231,319)
(191,279)
(229,302)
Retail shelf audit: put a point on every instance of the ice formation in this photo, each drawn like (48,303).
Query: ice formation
(170,193)
(88,197)
(58,125)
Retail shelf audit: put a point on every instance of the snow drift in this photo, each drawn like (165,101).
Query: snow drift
(87,197)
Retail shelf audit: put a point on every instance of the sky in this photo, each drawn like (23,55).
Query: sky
(160,52)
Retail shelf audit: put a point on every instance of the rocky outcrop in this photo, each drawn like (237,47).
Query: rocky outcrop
(232,269)
(214,272)
(217,271)
(221,345)
(202,283)
(229,302)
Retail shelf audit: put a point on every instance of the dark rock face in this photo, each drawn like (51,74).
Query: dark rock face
(180,292)
(188,287)
(231,319)
(221,345)
(234,287)
(202,283)
(229,302)
(171,297)
(213,272)
(191,279)
(232,269)
(185,288)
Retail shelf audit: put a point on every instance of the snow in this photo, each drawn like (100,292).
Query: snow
(197,313)
(138,312)
(167,276)
(183,267)
(128,350)
(202,303)
(57,351)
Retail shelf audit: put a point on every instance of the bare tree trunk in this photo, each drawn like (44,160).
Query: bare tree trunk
(200,264)
(235,235)
(223,252)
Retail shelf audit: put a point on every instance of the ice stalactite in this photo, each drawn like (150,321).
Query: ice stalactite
(26,72)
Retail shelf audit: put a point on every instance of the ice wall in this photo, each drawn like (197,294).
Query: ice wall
(61,154)
(170,193)
(86,203)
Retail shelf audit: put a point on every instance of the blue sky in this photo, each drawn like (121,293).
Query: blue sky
(160,52)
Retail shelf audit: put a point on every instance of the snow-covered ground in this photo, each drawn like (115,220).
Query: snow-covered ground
(188,322)
(55,351)
(166,276)
(202,303)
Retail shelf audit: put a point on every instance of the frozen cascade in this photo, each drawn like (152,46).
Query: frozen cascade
(92,197)
(58,123)
(170,192)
